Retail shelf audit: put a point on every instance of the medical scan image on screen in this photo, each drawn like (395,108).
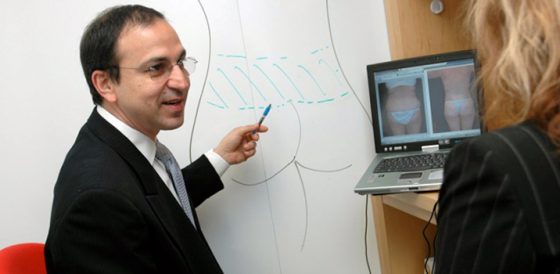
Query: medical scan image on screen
(427,102)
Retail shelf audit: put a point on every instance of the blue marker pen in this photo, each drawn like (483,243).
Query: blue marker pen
(265,113)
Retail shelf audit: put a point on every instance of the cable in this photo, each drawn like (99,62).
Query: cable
(426,237)
(434,241)
(365,236)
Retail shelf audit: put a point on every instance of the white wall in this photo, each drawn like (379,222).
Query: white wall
(291,208)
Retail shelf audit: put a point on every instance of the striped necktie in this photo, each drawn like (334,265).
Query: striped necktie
(172,167)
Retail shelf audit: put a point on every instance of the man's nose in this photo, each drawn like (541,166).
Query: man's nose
(178,78)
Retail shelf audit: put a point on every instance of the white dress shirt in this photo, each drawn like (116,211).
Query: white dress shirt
(147,147)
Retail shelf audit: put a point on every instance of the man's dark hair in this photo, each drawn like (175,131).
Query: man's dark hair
(99,41)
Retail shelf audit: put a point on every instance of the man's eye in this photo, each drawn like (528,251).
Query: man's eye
(154,68)
(181,63)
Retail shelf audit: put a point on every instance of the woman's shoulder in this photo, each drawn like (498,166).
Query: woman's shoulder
(506,144)
(515,136)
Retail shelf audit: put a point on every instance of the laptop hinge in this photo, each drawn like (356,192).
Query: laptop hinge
(430,148)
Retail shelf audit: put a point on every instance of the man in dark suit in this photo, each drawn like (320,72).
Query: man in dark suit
(117,206)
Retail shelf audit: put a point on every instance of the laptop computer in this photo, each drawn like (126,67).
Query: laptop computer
(421,108)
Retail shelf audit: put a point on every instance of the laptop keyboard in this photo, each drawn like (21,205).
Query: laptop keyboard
(412,163)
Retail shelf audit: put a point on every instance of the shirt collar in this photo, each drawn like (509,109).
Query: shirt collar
(142,142)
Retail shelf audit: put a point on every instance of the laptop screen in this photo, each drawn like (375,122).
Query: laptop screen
(429,100)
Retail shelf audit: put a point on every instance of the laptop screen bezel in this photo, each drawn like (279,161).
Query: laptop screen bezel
(412,62)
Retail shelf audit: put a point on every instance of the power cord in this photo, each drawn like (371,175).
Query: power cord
(426,237)
(365,236)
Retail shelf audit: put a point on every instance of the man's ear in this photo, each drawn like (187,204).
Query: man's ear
(104,85)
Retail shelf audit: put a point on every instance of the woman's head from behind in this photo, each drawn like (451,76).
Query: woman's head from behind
(518,44)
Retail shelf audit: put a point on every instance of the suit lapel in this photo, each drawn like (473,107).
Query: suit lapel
(162,202)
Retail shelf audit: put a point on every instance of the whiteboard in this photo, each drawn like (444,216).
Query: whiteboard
(289,209)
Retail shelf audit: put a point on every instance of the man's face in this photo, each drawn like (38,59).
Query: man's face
(152,91)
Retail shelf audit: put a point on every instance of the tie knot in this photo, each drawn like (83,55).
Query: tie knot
(162,152)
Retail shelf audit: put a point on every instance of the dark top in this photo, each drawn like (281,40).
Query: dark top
(499,205)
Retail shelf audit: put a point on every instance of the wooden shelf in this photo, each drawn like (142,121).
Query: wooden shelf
(400,223)
(401,219)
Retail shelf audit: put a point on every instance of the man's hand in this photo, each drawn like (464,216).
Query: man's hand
(240,144)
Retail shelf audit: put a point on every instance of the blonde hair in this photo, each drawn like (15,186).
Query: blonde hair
(518,44)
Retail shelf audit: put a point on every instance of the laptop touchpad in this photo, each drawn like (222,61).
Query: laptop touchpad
(410,175)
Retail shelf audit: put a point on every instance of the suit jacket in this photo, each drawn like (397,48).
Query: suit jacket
(499,205)
(113,214)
